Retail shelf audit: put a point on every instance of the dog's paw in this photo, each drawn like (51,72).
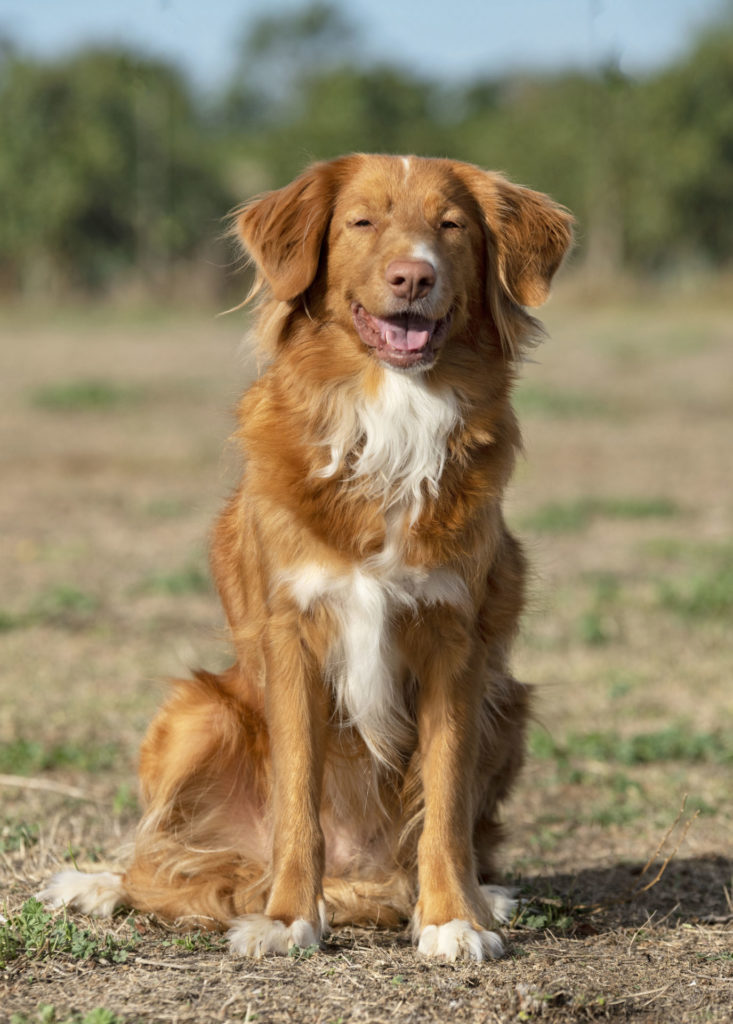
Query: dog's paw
(98,895)
(502,904)
(457,940)
(258,935)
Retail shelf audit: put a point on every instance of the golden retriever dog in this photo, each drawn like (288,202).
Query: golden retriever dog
(350,765)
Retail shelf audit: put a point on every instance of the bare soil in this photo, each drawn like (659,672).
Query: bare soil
(114,460)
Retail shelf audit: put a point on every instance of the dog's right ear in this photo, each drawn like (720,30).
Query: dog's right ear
(283,230)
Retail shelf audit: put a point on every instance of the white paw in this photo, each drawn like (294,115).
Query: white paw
(257,934)
(457,940)
(98,895)
(501,903)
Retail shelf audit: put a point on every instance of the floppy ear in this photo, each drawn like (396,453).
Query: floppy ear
(283,230)
(532,233)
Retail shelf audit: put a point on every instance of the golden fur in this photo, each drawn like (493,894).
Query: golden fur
(351,762)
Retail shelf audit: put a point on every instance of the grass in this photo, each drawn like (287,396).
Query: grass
(17,836)
(573,516)
(22,756)
(48,1014)
(166,508)
(536,400)
(63,605)
(196,941)
(548,912)
(190,579)
(34,933)
(626,642)
(673,743)
(85,396)
(707,594)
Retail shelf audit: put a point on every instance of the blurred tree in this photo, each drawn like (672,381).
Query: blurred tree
(348,109)
(683,160)
(109,166)
(102,170)
(277,52)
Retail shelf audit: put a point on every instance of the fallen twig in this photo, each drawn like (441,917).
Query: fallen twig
(637,888)
(47,785)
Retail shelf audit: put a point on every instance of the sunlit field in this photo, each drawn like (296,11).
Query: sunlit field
(115,460)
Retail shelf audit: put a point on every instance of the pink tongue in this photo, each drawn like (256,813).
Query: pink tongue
(409,340)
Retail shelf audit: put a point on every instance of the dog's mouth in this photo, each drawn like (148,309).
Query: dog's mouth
(402,340)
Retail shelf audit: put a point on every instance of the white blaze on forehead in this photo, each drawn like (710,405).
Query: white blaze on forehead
(423,251)
(406,164)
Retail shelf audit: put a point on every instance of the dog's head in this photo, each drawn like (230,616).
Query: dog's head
(406,253)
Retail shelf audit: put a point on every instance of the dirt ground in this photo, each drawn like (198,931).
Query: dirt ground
(114,461)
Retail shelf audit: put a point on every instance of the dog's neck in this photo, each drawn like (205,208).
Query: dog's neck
(396,441)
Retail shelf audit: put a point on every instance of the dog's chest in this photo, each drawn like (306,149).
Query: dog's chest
(402,437)
(364,665)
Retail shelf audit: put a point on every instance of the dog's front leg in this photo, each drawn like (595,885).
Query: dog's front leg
(297,714)
(452,917)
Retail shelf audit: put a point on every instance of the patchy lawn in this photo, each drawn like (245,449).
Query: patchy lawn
(114,461)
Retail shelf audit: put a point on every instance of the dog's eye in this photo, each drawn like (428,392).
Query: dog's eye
(362,223)
(448,224)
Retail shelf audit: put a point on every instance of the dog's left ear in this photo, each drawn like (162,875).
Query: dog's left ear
(531,233)
(283,230)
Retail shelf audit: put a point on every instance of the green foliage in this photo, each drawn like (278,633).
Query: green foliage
(302,952)
(546,913)
(106,170)
(35,933)
(48,1014)
(113,167)
(197,940)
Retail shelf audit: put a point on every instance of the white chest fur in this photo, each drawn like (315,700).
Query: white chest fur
(402,434)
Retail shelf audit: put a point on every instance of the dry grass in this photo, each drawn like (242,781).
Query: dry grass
(113,433)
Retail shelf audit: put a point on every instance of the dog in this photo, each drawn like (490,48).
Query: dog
(349,767)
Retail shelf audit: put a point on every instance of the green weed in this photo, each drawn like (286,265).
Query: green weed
(16,836)
(125,799)
(198,940)
(302,952)
(597,625)
(35,933)
(532,400)
(64,598)
(574,516)
(29,757)
(191,579)
(617,812)
(706,595)
(85,395)
(47,1014)
(546,913)
(63,605)
(9,621)
(675,743)
(167,508)
(621,683)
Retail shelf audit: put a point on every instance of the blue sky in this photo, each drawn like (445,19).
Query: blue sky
(451,39)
